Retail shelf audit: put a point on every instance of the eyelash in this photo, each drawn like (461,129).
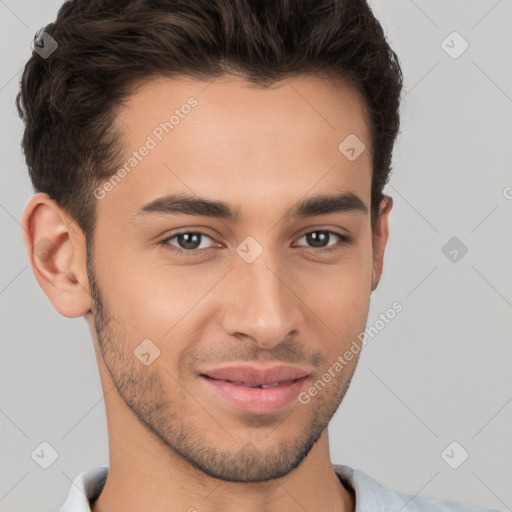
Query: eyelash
(344,240)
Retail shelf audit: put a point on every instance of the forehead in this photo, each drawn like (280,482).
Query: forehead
(312,104)
(231,140)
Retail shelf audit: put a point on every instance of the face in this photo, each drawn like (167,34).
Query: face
(215,320)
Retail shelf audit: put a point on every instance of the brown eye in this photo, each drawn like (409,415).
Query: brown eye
(320,239)
(187,241)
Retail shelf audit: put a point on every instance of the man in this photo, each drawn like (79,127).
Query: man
(210,197)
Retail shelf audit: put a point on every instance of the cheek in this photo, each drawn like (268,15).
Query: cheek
(159,302)
(343,278)
(143,288)
(339,295)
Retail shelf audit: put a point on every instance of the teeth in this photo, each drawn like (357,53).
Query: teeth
(261,386)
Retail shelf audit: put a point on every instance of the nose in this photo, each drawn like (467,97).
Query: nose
(262,304)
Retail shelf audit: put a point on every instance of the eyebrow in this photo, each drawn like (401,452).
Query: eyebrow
(185,204)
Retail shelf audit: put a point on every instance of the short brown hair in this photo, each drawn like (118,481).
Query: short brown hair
(105,47)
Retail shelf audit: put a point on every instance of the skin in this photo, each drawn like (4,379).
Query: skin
(261,150)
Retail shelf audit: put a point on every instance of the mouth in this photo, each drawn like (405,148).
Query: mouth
(260,386)
(255,389)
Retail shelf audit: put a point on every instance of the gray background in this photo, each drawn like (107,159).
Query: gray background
(439,372)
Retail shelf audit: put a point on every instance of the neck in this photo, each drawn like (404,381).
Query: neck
(143,475)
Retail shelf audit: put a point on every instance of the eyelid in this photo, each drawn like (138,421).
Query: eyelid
(344,239)
(179,251)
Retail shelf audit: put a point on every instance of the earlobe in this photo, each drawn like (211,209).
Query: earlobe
(380,238)
(56,250)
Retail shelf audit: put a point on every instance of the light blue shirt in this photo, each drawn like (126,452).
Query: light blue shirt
(370,495)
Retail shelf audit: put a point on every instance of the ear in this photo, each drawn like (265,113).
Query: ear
(57,252)
(380,238)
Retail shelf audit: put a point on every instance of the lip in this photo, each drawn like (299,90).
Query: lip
(256,374)
(228,384)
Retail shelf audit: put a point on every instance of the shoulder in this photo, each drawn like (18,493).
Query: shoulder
(371,496)
(85,488)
